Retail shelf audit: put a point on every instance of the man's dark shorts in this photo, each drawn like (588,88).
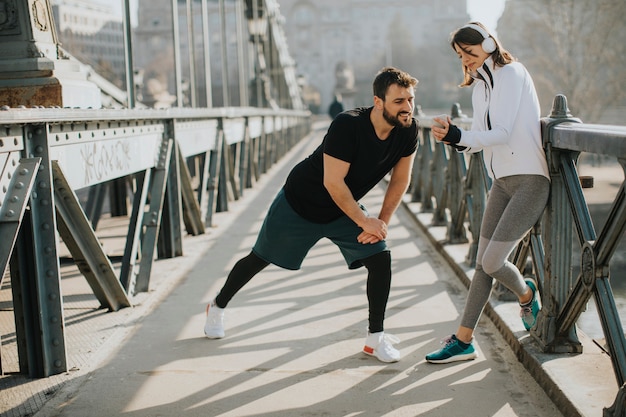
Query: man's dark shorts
(286,238)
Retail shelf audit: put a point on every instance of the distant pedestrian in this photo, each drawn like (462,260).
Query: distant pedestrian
(335,107)
(506,127)
(320,199)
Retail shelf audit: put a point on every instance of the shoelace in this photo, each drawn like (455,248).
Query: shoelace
(389,338)
(446,341)
(386,345)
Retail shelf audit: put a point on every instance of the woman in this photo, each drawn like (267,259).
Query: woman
(506,127)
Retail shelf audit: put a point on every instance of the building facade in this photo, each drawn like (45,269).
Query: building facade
(94,34)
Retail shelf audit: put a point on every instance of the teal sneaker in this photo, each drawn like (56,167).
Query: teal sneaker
(452,351)
(529,311)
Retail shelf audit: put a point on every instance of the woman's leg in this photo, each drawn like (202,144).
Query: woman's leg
(481,284)
(514,206)
(529,195)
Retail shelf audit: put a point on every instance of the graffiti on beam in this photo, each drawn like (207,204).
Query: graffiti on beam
(95,162)
(100,162)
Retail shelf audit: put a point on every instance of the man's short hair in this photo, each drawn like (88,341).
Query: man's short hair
(390,75)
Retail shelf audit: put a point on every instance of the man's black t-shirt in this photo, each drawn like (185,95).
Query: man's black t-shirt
(351,138)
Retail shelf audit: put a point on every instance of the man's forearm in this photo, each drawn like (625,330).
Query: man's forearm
(374,229)
(341,195)
(393,197)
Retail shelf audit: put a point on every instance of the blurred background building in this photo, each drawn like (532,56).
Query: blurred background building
(338,46)
(92,33)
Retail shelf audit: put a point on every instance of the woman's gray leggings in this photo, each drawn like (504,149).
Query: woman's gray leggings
(514,205)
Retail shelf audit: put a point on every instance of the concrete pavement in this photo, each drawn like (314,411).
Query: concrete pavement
(293,339)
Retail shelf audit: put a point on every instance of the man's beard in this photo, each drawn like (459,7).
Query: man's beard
(394,120)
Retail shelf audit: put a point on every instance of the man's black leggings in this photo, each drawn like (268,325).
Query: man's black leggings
(378,287)
(378,283)
(242,272)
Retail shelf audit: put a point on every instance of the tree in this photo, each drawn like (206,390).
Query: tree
(572,47)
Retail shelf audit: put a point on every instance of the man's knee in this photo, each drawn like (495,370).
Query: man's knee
(379,262)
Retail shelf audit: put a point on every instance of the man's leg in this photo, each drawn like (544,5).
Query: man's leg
(284,240)
(242,272)
(377,259)
(378,286)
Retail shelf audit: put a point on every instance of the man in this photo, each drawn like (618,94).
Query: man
(335,107)
(320,200)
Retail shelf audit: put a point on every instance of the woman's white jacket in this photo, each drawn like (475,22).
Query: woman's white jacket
(506,122)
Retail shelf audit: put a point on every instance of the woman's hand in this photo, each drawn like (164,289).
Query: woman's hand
(444,131)
(440,127)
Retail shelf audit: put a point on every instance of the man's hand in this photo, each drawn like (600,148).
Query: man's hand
(367,239)
(374,230)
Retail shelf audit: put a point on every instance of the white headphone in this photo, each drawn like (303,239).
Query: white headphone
(489,44)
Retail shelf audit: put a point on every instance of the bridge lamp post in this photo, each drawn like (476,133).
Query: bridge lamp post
(257,28)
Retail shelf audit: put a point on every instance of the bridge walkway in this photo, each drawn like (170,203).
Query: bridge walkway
(294,338)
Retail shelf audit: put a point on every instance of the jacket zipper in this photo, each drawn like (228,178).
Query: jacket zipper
(488,89)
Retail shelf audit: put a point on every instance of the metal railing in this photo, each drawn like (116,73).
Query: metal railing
(48,155)
(146,159)
(454,188)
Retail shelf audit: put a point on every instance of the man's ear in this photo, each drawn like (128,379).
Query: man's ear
(378,102)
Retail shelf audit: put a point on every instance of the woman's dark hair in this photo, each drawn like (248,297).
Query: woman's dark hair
(469,36)
(389,76)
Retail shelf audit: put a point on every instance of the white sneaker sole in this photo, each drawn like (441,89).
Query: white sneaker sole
(371,352)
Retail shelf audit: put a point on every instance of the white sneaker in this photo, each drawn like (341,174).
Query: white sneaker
(380,345)
(214,325)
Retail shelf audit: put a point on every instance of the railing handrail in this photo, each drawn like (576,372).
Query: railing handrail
(18,115)
(593,138)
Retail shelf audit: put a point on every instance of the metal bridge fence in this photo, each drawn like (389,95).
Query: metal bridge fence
(180,166)
(454,187)
(173,168)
